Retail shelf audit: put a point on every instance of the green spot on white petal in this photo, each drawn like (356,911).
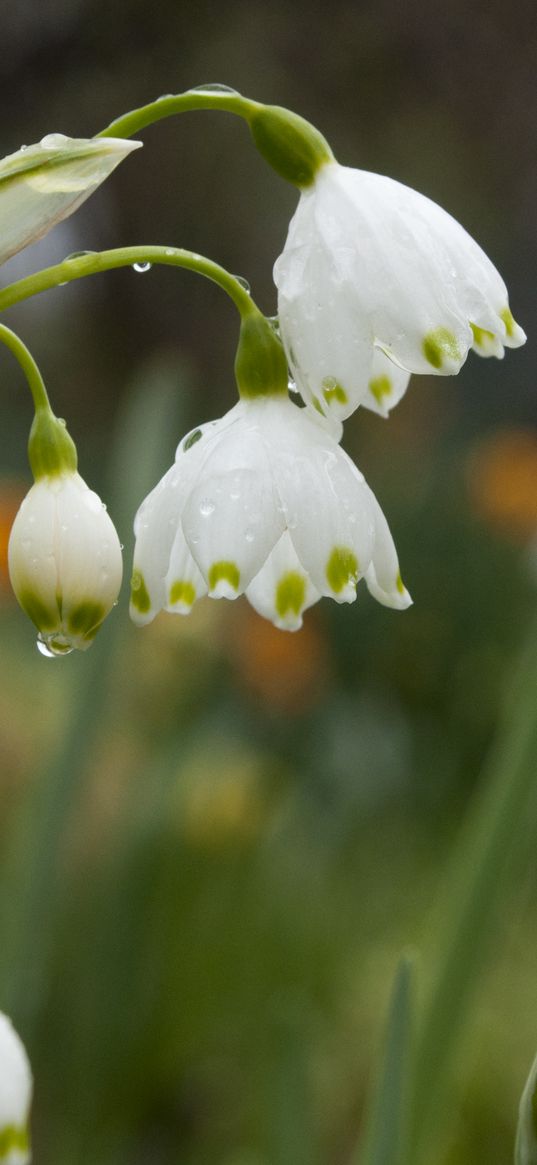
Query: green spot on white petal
(333,391)
(86,617)
(510,325)
(341,569)
(400,585)
(139,593)
(380,387)
(439,346)
(482,336)
(182,592)
(227,572)
(290,594)
(44,617)
(13,1140)
(317,405)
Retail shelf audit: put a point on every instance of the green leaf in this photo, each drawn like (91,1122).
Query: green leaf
(526,1136)
(385,1139)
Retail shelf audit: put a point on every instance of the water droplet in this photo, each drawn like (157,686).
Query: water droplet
(53,141)
(170,251)
(141,268)
(243,282)
(291,384)
(78,255)
(249,535)
(207,507)
(121,547)
(23,148)
(214,87)
(52,646)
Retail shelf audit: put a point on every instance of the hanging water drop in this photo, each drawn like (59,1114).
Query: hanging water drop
(141,268)
(52,647)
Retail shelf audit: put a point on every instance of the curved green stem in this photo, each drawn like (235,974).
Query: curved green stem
(131,123)
(91,264)
(29,367)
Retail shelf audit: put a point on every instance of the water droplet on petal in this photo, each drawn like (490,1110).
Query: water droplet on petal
(53,141)
(23,148)
(141,268)
(249,535)
(207,507)
(291,384)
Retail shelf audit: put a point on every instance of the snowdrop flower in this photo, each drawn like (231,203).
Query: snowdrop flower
(15,1096)
(262,502)
(65,562)
(375,282)
(42,184)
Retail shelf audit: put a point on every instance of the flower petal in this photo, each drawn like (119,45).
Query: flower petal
(326,505)
(184,582)
(383,577)
(88,555)
(282,590)
(33,568)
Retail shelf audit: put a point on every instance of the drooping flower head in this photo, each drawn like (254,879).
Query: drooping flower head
(262,502)
(376,282)
(15,1096)
(64,554)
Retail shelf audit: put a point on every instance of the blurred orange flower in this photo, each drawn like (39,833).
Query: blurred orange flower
(502,482)
(11,495)
(287,672)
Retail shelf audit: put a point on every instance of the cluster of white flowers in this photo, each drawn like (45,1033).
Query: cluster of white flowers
(375,282)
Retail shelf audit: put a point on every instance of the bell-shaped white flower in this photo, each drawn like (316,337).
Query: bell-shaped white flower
(15,1096)
(65,561)
(262,502)
(375,282)
(42,184)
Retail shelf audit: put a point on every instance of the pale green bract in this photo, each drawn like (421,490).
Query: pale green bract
(15,1096)
(44,183)
(262,502)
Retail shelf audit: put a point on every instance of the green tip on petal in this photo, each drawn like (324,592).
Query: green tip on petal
(182,592)
(508,319)
(400,585)
(224,575)
(333,391)
(13,1141)
(139,593)
(290,594)
(482,336)
(439,346)
(341,569)
(380,387)
(191,440)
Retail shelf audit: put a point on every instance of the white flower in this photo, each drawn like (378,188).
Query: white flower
(375,282)
(42,184)
(15,1096)
(64,561)
(263,502)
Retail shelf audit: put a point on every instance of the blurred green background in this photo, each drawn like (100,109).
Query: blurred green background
(216,838)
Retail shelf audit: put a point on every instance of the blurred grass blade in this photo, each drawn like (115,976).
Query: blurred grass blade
(494,842)
(385,1138)
(526,1137)
(32,877)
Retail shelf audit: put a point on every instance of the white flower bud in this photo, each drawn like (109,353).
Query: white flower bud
(15,1096)
(65,562)
(42,184)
